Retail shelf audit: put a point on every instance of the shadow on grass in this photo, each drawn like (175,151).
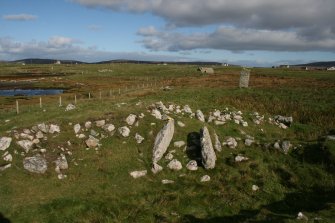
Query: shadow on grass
(3,219)
(280,211)
(193,150)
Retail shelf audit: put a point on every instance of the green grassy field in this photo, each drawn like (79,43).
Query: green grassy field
(100,189)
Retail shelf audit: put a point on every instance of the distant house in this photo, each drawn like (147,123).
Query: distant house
(206,70)
(58,62)
(284,66)
(225,64)
(331,68)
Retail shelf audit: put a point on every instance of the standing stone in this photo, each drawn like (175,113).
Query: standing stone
(244,78)
(131,119)
(207,151)
(76,128)
(200,116)
(163,140)
(35,164)
(5,143)
(26,145)
(217,143)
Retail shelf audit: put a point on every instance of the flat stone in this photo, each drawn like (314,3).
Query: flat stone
(8,157)
(124,131)
(5,143)
(26,136)
(165,181)
(2,168)
(39,135)
(26,145)
(174,165)
(131,119)
(163,140)
(43,127)
(192,165)
(109,127)
(285,120)
(248,142)
(138,173)
(88,124)
(179,144)
(187,109)
(255,188)
(205,178)
(240,158)
(180,124)
(54,128)
(100,123)
(207,150)
(169,156)
(231,142)
(35,164)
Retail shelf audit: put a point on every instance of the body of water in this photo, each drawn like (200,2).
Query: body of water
(30,92)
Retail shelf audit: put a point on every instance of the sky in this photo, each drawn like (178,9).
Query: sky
(244,32)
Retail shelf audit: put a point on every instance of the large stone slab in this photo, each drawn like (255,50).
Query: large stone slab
(35,164)
(207,150)
(5,143)
(163,140)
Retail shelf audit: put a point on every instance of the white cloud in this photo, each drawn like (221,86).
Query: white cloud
(19,17)
(59,47)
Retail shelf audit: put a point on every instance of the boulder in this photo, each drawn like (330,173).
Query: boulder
(35,164)
(217,143)
(205,178)
(5,143)
(200,116)
(54,128)
(76,128)
(131,119)
(156,113)
(109,127)
(156,168)
(39,135)
(285,120)
(92,142)
(88,124)
(207,151)
(169,156)
(174,165)
(231,142)
(255,187)
(124,131)
(100,123)
(163,140)
(70,107)
(43,127)
(187,109)
(139,139)
(26,145)
(192,165)
(138,174)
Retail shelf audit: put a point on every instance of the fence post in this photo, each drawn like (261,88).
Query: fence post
(89,95)
(40,102)
(17,107)
(60,101)
(100,95)
(119,91)
(75,99)
(110,93)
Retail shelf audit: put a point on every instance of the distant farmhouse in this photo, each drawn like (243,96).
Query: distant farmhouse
(331,68)
(225,64)
(58,62)
(206,70)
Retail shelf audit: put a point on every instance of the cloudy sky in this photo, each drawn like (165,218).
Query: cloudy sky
(245,32)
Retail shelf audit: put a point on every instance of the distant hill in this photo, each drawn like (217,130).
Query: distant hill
(53,61)
(47,61)
(317,64)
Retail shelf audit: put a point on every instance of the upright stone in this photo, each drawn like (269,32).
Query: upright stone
(5,143)
(217,143)
(200,116)
(207,151)
(244,78)
(163,140)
